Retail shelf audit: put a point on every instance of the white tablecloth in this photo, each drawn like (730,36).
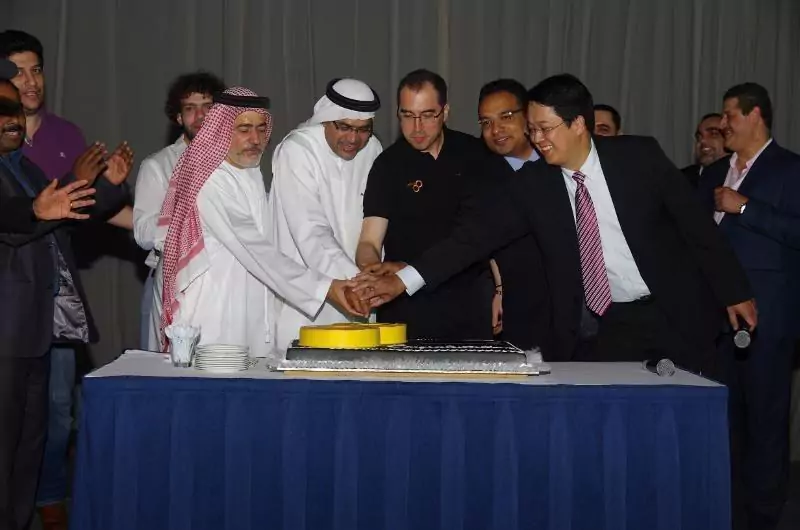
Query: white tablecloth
(147,364)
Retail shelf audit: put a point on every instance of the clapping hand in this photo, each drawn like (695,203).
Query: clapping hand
(90,164)
(55,203)
(119,164)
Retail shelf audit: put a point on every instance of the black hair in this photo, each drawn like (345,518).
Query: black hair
(512,86)
(568,97)
(14,41)
(193,83)
(418,78)
(750,96)
(711,115)
(615,116)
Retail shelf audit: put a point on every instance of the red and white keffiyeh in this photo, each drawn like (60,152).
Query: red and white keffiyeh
(182,258)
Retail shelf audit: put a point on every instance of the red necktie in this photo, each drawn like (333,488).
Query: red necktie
(593,268)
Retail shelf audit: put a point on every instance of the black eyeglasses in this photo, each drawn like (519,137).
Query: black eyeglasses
(344,128)
(427,117)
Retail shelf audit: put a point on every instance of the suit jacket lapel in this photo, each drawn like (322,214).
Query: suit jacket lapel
(623,192)
(754,175)
(760,167)
(559,217)
(9,182)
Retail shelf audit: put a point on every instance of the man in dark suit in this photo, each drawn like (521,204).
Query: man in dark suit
(754,195)
(520,302)
(644,273)
(708,146)
(43,300)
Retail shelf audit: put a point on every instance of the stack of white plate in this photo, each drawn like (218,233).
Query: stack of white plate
(223,358)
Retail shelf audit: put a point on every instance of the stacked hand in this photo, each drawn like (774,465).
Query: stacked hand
(378,284)
(341,294)
(55,203)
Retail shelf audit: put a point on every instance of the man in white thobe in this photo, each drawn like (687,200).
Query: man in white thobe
(319,173)
(218,261)
(188,100)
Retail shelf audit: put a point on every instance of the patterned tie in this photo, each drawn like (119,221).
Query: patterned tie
(593,267)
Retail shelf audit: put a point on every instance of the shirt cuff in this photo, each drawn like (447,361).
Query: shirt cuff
(411,279)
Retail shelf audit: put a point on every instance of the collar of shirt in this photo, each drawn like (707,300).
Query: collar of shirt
(13,161)
(517,163)
(749,164)
(411,150)
(590,168)
(14,157)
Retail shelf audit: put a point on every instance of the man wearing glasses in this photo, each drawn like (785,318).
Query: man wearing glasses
(416,189)
(319,174)
(709,146)
(519,307)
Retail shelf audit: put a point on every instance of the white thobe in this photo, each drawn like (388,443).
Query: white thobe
(316,206)
(152,182)
(227,298)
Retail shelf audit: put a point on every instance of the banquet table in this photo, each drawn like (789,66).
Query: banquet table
(588,446)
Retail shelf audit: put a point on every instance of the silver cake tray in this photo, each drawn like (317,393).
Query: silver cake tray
(420,356)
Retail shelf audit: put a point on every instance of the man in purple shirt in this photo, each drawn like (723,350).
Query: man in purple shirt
(54,145)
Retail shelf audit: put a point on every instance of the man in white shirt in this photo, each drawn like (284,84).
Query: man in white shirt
(319,172)
(188,101)
(218,259)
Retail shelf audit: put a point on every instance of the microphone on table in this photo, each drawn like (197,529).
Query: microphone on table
(662,367)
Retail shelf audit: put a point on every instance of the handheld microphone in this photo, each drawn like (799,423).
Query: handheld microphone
(662,368)
(742,337)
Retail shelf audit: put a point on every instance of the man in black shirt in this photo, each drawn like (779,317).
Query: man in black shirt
(414,193)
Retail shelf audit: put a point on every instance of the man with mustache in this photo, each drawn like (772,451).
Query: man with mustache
(51,142)
(44,303)
(319,173)
(56,146)
(709,146)
(754,197)
(415,190)
(188,101)
(20,214)
(218,259)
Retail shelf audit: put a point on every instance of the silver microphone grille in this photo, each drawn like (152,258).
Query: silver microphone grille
(665,368)
(742,338)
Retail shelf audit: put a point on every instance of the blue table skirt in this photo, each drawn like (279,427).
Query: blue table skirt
(241,454)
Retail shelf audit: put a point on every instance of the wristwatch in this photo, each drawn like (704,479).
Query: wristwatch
(742,207)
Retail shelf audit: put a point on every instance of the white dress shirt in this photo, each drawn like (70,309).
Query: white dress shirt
(735,177)
(151,189)
(624,278)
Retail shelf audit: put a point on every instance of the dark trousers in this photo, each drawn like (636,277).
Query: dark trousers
(638,331)
(23,428)
(759,386)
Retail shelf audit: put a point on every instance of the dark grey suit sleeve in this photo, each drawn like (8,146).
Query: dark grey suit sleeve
(486,223)
(16,215)
(713,253)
